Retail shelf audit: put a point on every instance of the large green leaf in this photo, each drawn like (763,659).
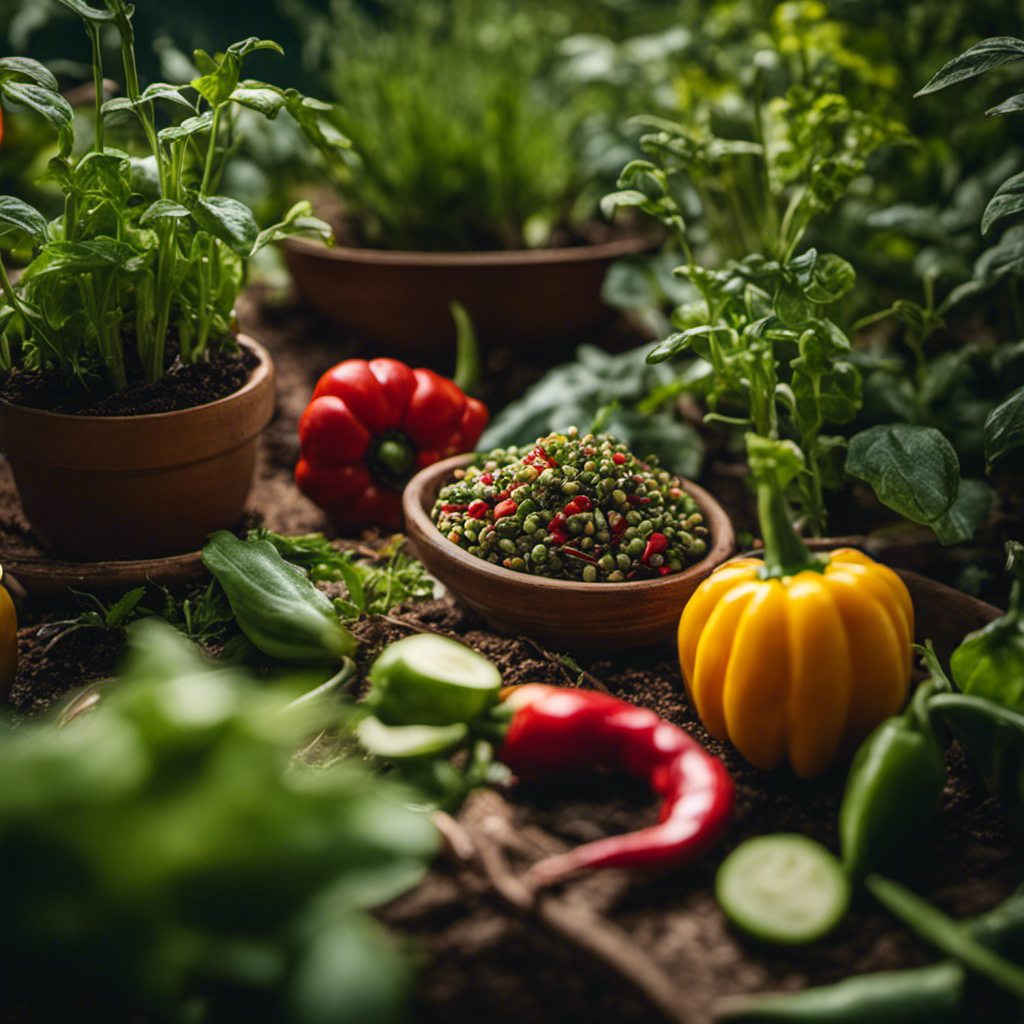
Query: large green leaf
(913,470)
(267,100)
(1004,428)
(989,53)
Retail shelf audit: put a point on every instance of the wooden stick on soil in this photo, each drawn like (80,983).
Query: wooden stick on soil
(588,932)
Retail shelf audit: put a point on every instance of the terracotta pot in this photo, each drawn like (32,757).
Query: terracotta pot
(111,487)
(402,298)
(563,613)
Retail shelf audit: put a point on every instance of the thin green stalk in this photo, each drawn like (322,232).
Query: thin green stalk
(945,934)
(210,151)
(122,20)
(38,323)
(97,80)
(761,136)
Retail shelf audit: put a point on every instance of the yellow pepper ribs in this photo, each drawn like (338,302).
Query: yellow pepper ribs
(797,668)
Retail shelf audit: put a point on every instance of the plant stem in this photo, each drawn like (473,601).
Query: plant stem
(935,927)
(210,151)
(97,80)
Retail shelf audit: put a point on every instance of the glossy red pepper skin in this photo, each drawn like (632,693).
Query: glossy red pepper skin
(368,427)
(555,729)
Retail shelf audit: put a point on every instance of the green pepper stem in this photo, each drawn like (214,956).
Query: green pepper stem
(395,455)
(785,554)
(467,350)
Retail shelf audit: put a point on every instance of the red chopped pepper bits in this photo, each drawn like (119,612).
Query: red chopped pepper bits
(505,508)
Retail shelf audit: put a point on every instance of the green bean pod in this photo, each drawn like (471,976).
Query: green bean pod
(924,995)
(274,602)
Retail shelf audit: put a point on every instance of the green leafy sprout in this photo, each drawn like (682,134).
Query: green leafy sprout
(145,250)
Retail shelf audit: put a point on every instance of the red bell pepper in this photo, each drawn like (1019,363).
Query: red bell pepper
(369,427)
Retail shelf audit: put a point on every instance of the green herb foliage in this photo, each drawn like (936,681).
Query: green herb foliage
(169,852)
(463,136)
(145,248)
(375,584)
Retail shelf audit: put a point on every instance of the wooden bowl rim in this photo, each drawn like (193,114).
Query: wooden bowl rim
(418,491)
(629,245)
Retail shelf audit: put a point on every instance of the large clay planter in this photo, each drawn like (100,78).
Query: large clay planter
(533,296)
(106,487)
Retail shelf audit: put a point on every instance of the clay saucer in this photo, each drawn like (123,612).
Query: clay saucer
(49,576)
(562,613)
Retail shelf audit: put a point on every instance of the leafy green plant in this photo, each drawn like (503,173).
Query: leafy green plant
(176,858)
(145,250)
(461,137)
(375,583)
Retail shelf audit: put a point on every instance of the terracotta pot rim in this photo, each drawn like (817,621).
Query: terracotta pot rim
(722,537)
(256,378)
(629,245)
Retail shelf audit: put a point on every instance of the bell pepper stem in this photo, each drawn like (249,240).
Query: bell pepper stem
(773,464)
(467,350)
(397,456)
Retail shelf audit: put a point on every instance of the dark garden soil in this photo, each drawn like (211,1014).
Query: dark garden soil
(610,946)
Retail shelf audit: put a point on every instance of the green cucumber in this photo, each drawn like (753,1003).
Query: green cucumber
(785,889)
(430,680)
(397,741)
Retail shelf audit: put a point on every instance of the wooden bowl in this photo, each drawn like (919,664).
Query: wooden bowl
(563,613)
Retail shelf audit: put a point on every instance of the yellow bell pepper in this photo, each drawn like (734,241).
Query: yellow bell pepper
(797,658)
(8,641)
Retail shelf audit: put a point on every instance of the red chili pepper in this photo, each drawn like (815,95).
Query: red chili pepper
(505,508)
(656,544)
(554,729)
(618,458)
(369,427)
(477,509)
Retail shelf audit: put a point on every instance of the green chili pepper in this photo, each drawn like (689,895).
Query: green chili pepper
(895,782)
(990,662)
(925,995)
(274,602)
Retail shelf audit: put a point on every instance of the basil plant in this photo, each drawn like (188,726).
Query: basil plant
(145,250)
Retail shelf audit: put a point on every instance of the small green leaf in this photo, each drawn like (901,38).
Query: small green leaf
(625,197)
(299,220)
(163,91)
(19,220)
(216,85)
(50,105)
(913,470)
(229,220)
(1014,105)
(27,68)
(189,127)
(1004,428)
(989,53)
(1008,200)
(162,209)
(831,278)
(791,305)
(264,99)
(83,10)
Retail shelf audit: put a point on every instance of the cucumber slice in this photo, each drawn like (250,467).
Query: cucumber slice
(430,680)
(784,889)
(397,741)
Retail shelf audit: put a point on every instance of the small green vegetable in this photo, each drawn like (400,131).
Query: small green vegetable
(274,603)
(990,661)
(894,786)
(393,741)
(783,888)
(429,680)
(950,936)
(927,995)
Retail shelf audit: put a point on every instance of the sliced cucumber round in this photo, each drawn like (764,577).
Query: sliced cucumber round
(430,680)
(398,741)
(783,888)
